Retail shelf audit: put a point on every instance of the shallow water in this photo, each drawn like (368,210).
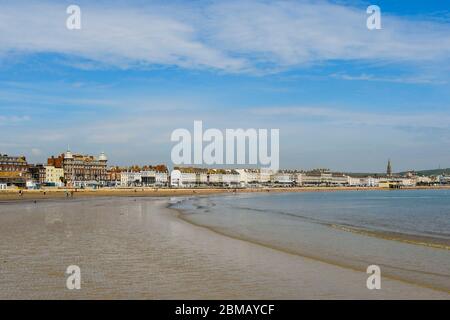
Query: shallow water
(313,224)
(137,248)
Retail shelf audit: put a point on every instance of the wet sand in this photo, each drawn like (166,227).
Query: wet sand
(135,247)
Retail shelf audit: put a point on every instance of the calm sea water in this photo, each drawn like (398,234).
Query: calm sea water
(401,225)
(135,248)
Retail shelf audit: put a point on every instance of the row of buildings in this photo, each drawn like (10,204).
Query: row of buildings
(86,171)
(195,177)
(67,169)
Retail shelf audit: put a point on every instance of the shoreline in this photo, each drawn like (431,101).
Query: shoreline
(417,240)
(14,195)
(180,215)
(143,249)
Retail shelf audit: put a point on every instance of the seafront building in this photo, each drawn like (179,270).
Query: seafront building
(113,176)
(223,178)
(37,174)
(54,176)
(253,177)
(147,176)
(81,170)
(284,178)
(324,177)
(13,171)
(130,179)
(87,171)
(46,175)
(189,177)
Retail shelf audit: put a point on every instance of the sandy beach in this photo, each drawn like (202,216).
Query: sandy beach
(136,247)
(60,193)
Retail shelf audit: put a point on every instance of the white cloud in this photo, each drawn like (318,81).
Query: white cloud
(10,120)
(354,118)
(232,36)
(370,77)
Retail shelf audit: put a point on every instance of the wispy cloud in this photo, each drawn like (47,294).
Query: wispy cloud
(232,36)
(354,118)
(11,120)
(406,80)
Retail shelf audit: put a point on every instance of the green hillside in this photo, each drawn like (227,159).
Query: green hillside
(434,172)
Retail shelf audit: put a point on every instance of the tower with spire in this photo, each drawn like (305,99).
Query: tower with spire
(389,168)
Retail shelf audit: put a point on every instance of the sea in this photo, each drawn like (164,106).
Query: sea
(404,232)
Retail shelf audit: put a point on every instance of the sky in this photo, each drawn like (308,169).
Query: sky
(343,97)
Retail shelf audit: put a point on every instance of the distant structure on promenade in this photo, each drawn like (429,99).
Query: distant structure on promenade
(196,177)
(389,169)
(81,170)
(13,171)
(146,176)
(46,176)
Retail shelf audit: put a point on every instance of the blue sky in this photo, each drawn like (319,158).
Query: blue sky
(343,96)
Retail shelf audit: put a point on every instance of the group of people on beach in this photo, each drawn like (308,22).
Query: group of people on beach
(67,193)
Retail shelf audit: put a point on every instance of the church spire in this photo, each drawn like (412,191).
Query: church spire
(389,168)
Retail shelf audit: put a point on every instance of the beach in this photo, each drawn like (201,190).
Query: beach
(139,248)
(60,193)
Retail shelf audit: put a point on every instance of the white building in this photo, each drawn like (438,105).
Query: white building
(249,177)
(423,180)
(130,179)
(215,178)
(283,178)
(185,177)
(231,178)
(243,176)
(370,182)
(153,178)
(354,182)
(176,178)
(316,178)
(188,179)
(408,182)
(298,178)
(161,178)
(265,175)
(443,179)
(223,177)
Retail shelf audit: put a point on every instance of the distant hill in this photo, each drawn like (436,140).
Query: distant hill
(432,172)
